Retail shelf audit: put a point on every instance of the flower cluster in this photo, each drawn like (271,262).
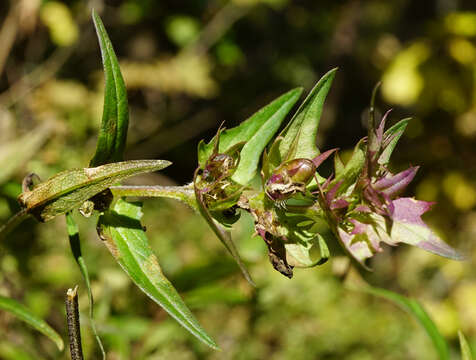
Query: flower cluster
(295,208)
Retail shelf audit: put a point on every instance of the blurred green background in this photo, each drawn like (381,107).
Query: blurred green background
(188,66)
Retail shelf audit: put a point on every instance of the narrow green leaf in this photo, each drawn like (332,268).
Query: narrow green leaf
(15,153)
(123,234)
(465,349)
(391,137)
(74,242)
(414,308)
(69,189)
(223,235)
(303,126)
(272,116)
(115,119)
(31,319)
(265,121)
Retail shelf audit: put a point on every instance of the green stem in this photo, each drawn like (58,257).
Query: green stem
(182,193)
(12,223)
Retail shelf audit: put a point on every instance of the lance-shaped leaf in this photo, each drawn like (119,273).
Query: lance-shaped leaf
(251,152)
(259,128)
(415,309)
(24,314)
(74,242)
(390,140)
(115,119)
(300,133)
(69,189)
(223,235)
(123,234)
(347,176)
(465,349)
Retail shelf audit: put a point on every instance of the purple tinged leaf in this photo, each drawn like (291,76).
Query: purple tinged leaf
(359,250)
(331,194)
(381,127)
(408,227)
(339,204)
(362,208)
(319,159)
(395,184)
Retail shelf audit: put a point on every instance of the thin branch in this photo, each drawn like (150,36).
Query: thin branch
(217,27)
(12,223)
(8,33)
(74,331)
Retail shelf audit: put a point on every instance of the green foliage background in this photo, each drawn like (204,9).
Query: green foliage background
(188,66)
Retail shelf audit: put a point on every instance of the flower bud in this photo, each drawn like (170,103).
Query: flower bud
(218,166)
(289,178)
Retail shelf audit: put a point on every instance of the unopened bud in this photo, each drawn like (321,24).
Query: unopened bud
(289,178)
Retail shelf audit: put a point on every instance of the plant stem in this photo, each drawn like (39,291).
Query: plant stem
(182,193)
(13,222)
(74,331)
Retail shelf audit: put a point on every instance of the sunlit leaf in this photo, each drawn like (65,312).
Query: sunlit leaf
(265,121)
(352,168)
(301,252)
(69,189)
(115,119)
(31,319)
(405,226)
(251,153)
(301,131)
(124,236)
(414,308)
(74,242)
(465,349)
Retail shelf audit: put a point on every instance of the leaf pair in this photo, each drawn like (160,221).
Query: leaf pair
(254,134)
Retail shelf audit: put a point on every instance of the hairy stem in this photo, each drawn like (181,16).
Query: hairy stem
(182,193)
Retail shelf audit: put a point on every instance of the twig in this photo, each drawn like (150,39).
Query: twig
(217,27)
(12,223)
(36,77)
(74,331)
(8,33)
